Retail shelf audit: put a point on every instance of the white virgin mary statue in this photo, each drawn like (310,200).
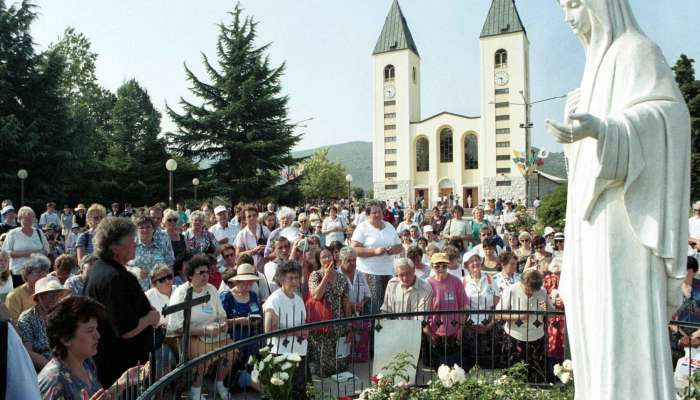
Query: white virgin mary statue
(626,135)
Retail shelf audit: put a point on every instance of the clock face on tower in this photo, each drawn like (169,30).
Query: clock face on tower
(389,91)
(501,78)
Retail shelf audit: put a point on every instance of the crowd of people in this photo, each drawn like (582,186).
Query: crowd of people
(85,288)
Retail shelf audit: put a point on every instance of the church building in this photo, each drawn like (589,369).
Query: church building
(451,155)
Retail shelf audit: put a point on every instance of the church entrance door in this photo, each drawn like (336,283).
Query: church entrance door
(474,192)
(445,194)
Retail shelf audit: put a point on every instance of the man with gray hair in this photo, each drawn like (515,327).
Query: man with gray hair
(405,292)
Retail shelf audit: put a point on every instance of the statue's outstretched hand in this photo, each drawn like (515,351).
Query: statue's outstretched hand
(582,125)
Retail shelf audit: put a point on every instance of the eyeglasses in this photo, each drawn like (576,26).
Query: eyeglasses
(171,219)
(440,266)
(164,278)
(229,255)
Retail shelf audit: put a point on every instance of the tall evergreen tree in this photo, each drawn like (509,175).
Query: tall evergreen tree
(34,124)
(241,123)
(136,155)
(690,87)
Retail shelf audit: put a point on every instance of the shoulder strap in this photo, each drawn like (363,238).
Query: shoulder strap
(40,238)
(3,357)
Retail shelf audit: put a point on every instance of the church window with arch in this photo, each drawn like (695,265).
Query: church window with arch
(471,152)
(389,73)
(501,58)
(422,155)
(446,145)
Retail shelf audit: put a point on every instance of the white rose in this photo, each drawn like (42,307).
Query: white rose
(284,376)
(276,381)
(286,366)
(260,366)
(294,357)
(457,375)
(279,359)
(268,358)
(565,377)
(254,375)
(568,365)
(264,350)
(443,373)
(251,360)
(557,370)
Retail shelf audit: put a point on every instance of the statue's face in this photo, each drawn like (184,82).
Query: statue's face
(576,15)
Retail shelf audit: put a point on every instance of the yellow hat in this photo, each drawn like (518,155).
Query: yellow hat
(438,258)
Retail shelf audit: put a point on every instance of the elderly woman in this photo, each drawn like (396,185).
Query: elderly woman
(557,324)
(285,309)
(539,254)
(526,339)
(458,228)
(148,252)
(161,288)
(477,223)
(376,243)
(172,229)
(76,283)
(286,217)
(23,241)
(208,325)
(21,298)
(482,295)
(244,314)
(72,333)
(198,238)
(408,222)
(445,331)
(31,325)
(85,244)
(5,276)
(330,289)
(333,227)
(127,331)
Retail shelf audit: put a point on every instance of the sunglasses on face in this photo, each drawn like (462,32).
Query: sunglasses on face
(165,278)
(440,266)
(171,219)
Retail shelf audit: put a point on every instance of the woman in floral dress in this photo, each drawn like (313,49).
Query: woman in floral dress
(332,288)
(557,324)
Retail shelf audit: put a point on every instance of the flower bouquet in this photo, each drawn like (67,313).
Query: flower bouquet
(274,373)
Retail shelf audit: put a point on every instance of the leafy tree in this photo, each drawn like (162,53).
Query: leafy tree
(136,155)
(34,121)
(358,193)
(322,178)
(240,123)
(552,210)
(690,87)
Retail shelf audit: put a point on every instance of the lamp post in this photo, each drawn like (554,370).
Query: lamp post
(348,179)
(171,165)
(195,183)
(22,174)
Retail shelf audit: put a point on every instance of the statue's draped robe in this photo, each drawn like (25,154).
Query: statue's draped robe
(626,219)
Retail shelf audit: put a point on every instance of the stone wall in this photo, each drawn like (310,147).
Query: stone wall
(402,191)
(515,191)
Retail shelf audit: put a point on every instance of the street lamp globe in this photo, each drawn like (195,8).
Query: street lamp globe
(171,165)
(348,178)
(195,181)
(22,174)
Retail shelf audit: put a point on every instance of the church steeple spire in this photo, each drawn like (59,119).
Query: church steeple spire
(503,18)
(395,34)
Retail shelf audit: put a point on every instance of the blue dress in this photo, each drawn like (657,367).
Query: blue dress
(235,309)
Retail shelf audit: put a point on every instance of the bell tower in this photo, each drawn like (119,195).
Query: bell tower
(505,89)
(396,103)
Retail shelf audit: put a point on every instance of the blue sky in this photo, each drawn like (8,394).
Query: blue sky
(327,46)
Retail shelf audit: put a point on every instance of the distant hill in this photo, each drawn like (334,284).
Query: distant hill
(356,157)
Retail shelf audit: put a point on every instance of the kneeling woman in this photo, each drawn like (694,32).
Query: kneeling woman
(71,374)
(208,324)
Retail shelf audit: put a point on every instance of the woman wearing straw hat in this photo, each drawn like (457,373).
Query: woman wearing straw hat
(244,314)
(32,323)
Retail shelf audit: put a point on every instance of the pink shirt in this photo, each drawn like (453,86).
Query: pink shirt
(447,295)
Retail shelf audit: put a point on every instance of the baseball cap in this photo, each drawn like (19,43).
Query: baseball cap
(467,256)
(7,209)
(548,230)
(428,228)
(219,209)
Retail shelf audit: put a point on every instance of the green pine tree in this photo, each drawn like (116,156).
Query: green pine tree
(690,87)
(240,125)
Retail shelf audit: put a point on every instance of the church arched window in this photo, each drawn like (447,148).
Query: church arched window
(422,155)
(501,58)
(389,72)
(471,152)
(446,145)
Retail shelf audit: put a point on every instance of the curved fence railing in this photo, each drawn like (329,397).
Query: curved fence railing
(485,348)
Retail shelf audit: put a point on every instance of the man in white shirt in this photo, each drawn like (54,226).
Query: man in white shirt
(50,216)
(405,292)
(223,231)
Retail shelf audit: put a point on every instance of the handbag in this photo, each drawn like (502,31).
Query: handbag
(318,311)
